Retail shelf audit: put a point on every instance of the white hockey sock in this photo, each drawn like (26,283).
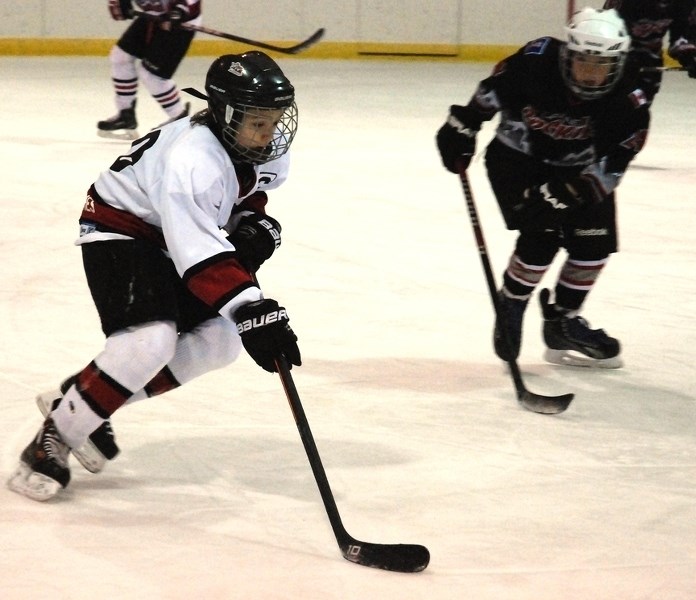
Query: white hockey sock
(135,355)
(164,91)
(74,419)
(124,77)
(212,345)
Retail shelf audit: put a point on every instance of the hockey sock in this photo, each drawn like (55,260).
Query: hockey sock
(576,279)
(521,278)
(124,77)
(212,345)
(164,91)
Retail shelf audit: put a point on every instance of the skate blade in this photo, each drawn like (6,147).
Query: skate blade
(33,485)
(88,454)
(570,358)
(119,134)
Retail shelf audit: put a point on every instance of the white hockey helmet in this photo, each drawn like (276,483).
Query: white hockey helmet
(595,33)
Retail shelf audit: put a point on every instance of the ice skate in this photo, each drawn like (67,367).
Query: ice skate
(181,115)
(43,469)
(507,347)
(122,126)
(99,448)
(570,341)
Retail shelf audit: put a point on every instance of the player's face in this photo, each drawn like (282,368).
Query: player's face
(258,127)
(590,71)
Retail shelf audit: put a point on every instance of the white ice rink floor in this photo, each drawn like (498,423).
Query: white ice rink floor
(414,417)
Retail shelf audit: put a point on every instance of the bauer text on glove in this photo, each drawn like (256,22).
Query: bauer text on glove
(266,334)
(255,238)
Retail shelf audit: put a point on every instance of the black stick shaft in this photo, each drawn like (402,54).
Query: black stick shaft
(311,449)
(663,69)
(531,401)
(310,41)
(488,271)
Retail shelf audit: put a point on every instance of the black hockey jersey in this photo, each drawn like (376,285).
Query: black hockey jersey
(649,21)
(542,118)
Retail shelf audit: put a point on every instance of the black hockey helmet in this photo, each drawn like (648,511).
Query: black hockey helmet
(252,82)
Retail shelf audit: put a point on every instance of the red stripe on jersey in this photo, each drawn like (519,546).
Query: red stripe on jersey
(217,280)
(256,203)
(108,219)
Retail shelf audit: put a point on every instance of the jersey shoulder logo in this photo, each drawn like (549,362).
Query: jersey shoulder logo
(266,178)
(537,46)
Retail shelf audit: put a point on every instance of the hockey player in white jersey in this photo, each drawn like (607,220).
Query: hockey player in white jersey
(171,235)
(149,51)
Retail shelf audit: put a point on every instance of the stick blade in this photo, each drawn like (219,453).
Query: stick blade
(545,405)
(403,558)
(310,41)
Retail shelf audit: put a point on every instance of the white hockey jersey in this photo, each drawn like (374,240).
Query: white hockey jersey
(177,187)
(191,8)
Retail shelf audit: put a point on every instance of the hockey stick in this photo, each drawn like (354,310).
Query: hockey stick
(663,69)
(297,48)
(548,405)
(405,558)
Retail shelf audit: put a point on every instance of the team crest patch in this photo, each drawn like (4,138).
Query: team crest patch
(236,69)
(537,46)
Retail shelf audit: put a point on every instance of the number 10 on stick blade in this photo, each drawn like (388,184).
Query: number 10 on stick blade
(405,558)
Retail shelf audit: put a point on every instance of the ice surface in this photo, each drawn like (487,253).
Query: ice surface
(414,417)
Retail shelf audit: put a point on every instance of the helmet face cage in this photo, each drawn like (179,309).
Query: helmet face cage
(232,123)
(601,35)
(252,105)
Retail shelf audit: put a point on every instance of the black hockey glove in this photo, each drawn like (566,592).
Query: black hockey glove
(591,186)
(685,52)
(569,193)
(255,238)
(266,334)
(549,204)
(543,206)
(120,9)
(456,141)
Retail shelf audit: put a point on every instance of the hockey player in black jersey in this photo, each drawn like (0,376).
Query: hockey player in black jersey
(649,22)
(571,121)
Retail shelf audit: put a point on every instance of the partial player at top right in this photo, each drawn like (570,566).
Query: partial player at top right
(648,22)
